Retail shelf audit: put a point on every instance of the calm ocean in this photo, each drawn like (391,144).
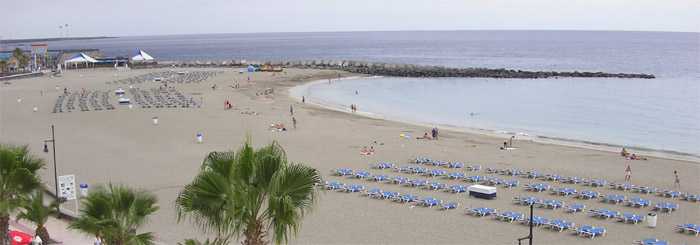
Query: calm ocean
(662,113)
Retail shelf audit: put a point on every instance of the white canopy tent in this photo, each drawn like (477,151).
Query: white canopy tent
(79,59)
(142,56)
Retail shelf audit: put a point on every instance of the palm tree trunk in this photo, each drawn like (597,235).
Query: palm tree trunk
(42,232)
(254,234)
(4,227)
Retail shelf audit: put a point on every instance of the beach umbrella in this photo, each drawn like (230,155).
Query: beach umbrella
(19,238)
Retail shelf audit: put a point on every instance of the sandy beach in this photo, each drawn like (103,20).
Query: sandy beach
(123,146)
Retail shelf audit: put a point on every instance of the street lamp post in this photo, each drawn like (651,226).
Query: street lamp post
(55,171)
(529,237)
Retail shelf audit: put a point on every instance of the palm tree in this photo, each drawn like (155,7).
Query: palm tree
(3,65)
(35,212)
(115,213)
(22,59)
(248,194)
(207,242)
(18,178)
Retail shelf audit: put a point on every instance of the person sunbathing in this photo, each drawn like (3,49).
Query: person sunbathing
(425,137)
(366,151)
(278,126)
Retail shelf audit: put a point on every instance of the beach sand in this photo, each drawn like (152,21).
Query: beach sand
(123,146)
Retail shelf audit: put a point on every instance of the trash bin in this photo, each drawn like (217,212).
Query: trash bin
(651,220)
(200,138)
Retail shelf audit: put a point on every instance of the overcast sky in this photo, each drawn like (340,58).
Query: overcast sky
(41,18)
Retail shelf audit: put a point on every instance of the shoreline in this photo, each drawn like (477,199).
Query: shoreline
(296,92)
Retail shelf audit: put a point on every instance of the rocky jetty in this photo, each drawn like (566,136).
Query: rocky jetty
(407,70)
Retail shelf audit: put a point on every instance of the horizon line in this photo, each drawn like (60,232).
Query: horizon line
(349,31)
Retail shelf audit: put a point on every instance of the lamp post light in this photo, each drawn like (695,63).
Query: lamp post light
(55,172)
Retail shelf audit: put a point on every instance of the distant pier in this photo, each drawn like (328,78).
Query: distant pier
(407,70)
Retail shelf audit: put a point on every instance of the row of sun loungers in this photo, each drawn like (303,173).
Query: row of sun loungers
(448,164)
(168,76)
(651,241)
(391,195)
(539,221)
(161,98)
(87,101)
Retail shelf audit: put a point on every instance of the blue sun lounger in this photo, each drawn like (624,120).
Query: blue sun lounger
(638,202)
(473,167)
(690,197)
(455,175)
(690,228)
(511,183)
(383,165)
(588,194)
(553,204)
(430,202)
(614,198)
(645,189)
(458,188)
(407,198)
(455,165)
(591,231)
(604,213)
(437,185)
(666,207)
(595,182)
(560,225)
(343,171)
(418,182)
(575,208)
(449,205)
(354,188)
(334,185)
(400,180)
(527,201)
(437,172)
(361,174)
(391,195)
(380,178)
(510,216)
(482,211)
(537,187)
(564,191)
(671,194)
(374,193)
(475,178)
(536,221)
(651,241)
(631,218)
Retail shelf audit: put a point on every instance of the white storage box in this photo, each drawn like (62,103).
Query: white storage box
(482,191)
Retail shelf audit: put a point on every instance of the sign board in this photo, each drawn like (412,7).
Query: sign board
(66,187)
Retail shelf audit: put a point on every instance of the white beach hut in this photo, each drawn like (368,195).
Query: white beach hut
(142,56)
(80,58)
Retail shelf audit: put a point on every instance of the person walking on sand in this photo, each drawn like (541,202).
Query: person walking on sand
(291,110)
(628,173)
(294,122)
(303,99)
(677,182)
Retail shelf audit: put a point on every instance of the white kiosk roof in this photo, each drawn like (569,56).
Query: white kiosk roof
(142,56)
(81,58)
